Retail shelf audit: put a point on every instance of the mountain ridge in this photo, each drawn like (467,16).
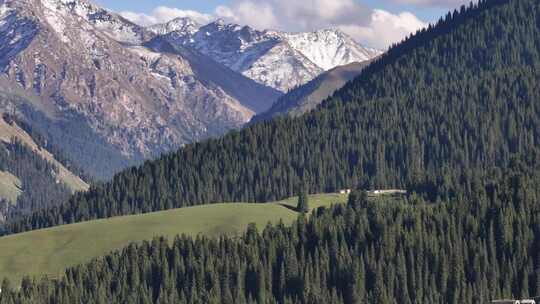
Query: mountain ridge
(277,59)
(307,97)
(127,96)
(452,115)
(422,117)
(135,100)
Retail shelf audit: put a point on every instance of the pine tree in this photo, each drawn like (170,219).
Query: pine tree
(357,199)
(303,202)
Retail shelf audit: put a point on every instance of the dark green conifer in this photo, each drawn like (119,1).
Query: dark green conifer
(303,202)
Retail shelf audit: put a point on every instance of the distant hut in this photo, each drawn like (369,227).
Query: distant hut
(526,301)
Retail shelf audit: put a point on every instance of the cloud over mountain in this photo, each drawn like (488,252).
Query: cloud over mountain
(384,28)
(376,28)
(434,3)
(162,14)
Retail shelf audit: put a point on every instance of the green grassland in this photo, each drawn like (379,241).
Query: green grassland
(50,251)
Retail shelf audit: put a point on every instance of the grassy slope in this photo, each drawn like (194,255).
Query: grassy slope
(10,186)
(50,251)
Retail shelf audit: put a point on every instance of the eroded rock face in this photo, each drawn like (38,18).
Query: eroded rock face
(79,60)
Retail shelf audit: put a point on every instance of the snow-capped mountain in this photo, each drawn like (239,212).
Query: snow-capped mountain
(276,59)
(59,14)
(329,48)
(184,25)
(118,90)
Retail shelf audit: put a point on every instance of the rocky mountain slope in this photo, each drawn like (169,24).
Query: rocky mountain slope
(184,25)
(10,131)
(440,108)
(111,93)
(74,63)
(276,59)
(32,175)
(307,97)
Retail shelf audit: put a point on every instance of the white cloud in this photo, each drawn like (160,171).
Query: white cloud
(294,15)
(257,15)
(162,14)
(434,3)
(376,28)
(384,28)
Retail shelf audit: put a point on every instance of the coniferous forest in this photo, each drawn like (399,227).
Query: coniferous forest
(39,187)
(452,115)
(481,245)
(444,105)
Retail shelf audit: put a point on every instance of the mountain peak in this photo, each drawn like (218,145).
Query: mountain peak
(277,59)
(183,25)
(66,2)
(75,6)
(220,21)
(94,68)
(69,18)
(328,48)
(222,25)
(184,21)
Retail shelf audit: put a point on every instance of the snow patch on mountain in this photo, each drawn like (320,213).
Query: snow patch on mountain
(59,11)
(329,48)
(281,67)
(4,11)
(183,25)
(133,100)
(276,59)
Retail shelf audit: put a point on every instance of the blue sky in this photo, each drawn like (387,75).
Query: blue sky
(148,5)
(426,13)
(375,23)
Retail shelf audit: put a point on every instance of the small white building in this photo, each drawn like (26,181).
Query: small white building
(525,301)
(388,192)
(345,191)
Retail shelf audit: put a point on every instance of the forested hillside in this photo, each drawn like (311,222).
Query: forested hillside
(480,246)
(42,142)
(66,246)
(39,187)
(308,96)
(435,110)
(33,173)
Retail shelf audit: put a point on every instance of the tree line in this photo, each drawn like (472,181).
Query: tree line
(475,247)
(43,143)
(440,107)
(38,183)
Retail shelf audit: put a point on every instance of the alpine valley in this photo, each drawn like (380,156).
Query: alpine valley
(111,93)
(413,178)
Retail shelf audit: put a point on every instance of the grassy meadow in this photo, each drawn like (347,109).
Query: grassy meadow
(50,251)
